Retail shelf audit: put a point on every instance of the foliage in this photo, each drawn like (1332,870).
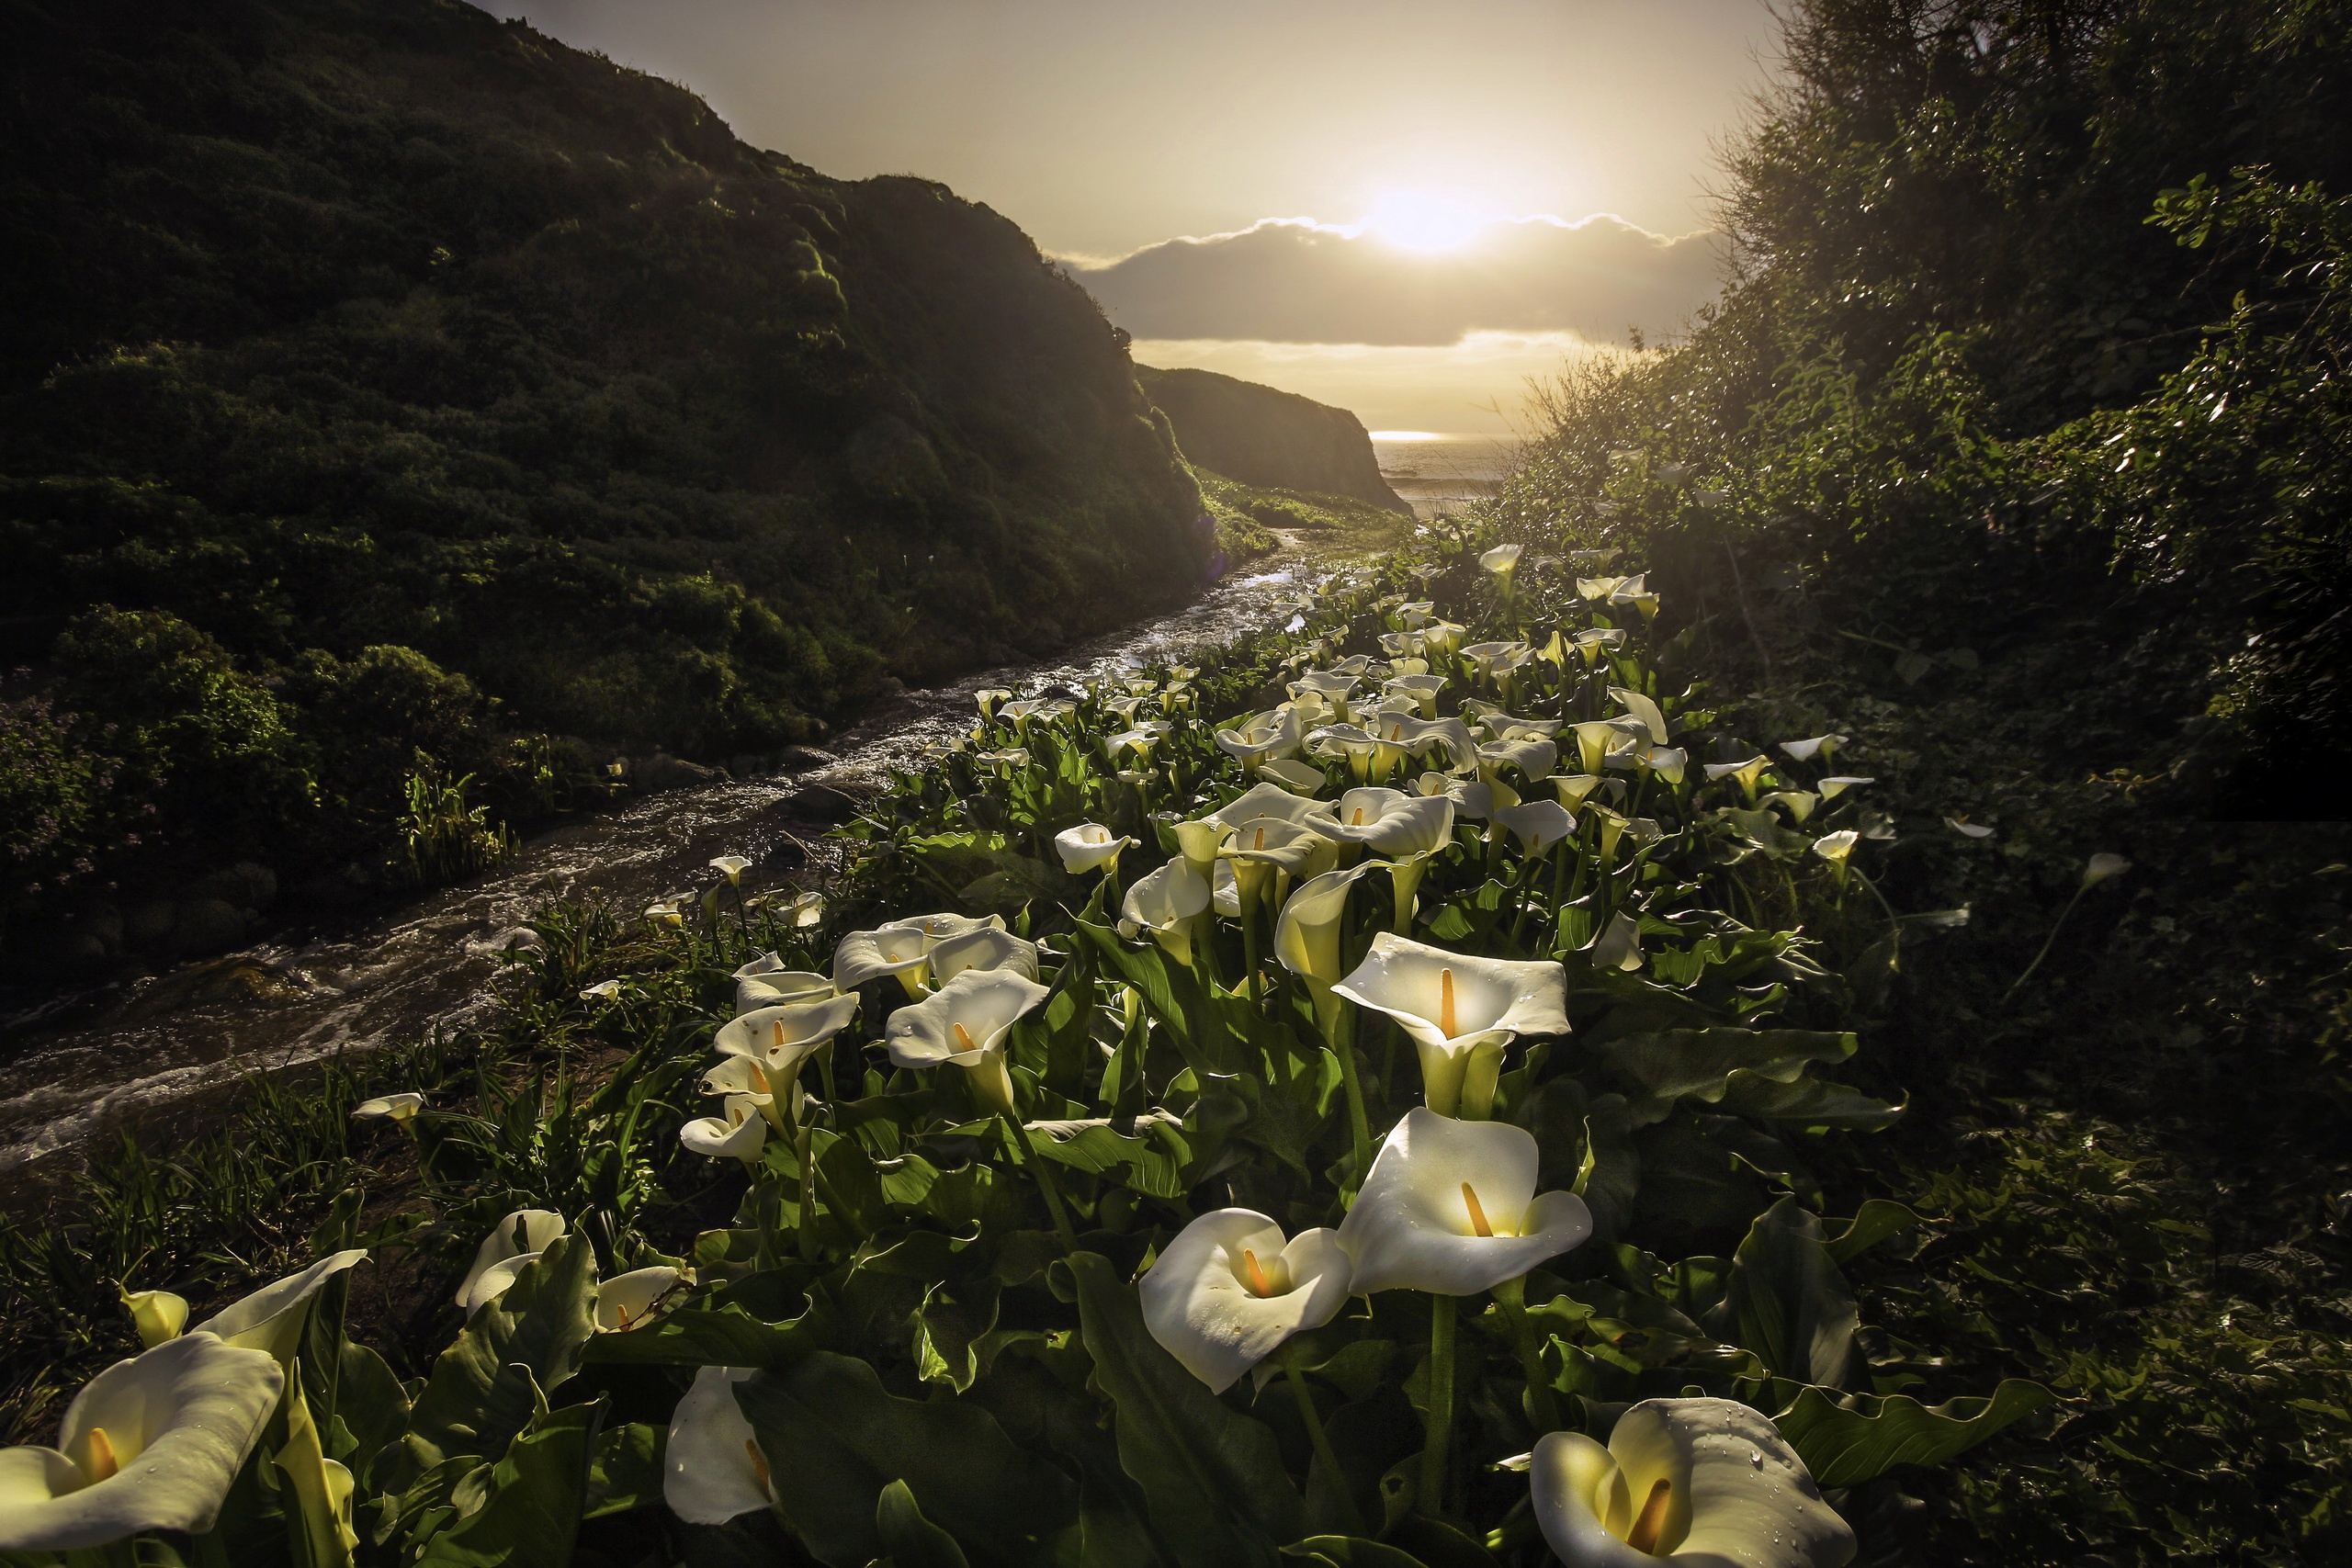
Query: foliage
(448,840)
(364,328)
(936,1302)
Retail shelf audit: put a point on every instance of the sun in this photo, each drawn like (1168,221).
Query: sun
(1415,220)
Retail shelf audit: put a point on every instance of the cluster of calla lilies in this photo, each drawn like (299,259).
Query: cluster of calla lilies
(1285,855)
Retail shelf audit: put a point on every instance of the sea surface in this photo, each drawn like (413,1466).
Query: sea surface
(1444,473)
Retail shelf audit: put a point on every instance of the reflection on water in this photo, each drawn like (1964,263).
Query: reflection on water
(397,975)
(1444,473)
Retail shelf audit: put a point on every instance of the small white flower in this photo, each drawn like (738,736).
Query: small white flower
(1230,1290)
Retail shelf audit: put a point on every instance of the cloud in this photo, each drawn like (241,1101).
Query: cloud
(1294,280)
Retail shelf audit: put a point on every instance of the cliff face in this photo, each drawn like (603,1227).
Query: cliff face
(339,325)
(1265,437)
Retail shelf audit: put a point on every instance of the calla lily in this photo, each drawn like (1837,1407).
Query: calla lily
(1537,824)
(780,987)
(1332,689)
(602,992)
(1594,738)
(1642,707)
(1299,778)
(274,1317)
(1831,788)
(157,1314)
(1419,737)
(1088,847)
(987,947)
(152,1443)
(805,909)
(1472,798)
(1443,637)
(1422,689)
(778,1039)
(397,1107)
(732,867)
(988,697)
(1799,802)
(1265,800)
(1966,829)
(635,1299)
(1595,641)
(1230,1290)
(2101,866)
(966,1022)
(1358,745)
(1451,1207)
(1837,849)
(1531,756)
(1748,773)
(525,1232)
(1823,746)
(1704,1482)
(738,1132)
(665,911)
(1460,1011)
(1600,588)
(1164,903)
(1502,560)
(1307,939)
(902,949)
(1261,737)
(712,1467)
(1573,788)
(1390,822)
(1618,945)
(1260,849)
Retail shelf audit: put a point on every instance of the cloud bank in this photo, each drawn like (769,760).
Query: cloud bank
(1293,280)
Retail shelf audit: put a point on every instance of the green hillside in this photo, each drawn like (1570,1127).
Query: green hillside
(383,376)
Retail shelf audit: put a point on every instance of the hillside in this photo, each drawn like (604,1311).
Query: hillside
(383,378)
(1270,439)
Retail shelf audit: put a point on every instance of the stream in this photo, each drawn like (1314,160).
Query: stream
(165,1042)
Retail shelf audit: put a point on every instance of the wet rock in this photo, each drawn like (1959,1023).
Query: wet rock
(148,924)
(248,885)
(339,889)
(833,798)
(805,758)
(662,771)
(206,925)
(100,922)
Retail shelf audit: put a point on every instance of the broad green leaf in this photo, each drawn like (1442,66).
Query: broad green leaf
(1873,1222)
(1213,1480)
(371,1408)
(536,1493)
(1807,1103)
(1787,1302)
(698,1336)
(1670,1063)
(626,1471)
(833,1439)
(912,1541)
(1846,1445)
(1612,1173)
(1348,1551)
(487,1386)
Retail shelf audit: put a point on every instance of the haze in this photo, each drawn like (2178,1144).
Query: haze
(1400,134)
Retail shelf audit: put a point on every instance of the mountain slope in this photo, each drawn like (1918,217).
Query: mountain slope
(1268,438)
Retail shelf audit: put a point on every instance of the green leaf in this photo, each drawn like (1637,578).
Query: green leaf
(833,1439)
(1877,1219)
(1670,1063)
(1611,1174)
(531,1515)
(698,1336)
(370,1406)
(626,1472)
(1845,1444)
(912,1541)
(1810,1103)
(1787,1302)
(486,1387)
(1348,1551)
(1212,1480)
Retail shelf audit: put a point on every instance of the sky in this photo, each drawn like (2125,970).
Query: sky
(1387,205)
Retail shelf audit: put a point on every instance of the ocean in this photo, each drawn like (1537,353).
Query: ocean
(1436,474)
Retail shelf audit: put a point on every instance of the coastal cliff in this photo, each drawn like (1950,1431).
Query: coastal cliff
(1271,439)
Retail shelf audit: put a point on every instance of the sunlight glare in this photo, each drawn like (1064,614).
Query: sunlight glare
(1415,220)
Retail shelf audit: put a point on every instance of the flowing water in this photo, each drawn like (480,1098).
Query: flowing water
(173,1039)
(1439,474)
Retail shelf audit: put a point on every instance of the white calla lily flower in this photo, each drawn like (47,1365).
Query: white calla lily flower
(1966,829)
(1600,588)
(1748,773)
(1822,746)
(1595,737)
(1668,762)
(901,949)
(712,1468)
(633,1300)
(1799,803)
(740,1131)
(1644,708)
(395,1107)
(152,1443)
(1537,824)
(1831,788)
(781,987)
(1502,560)
(965,1022)
(1306,938)
(1573,788)
(1531,756)
(1460,1011)
(1265,847)
(1261,800)
(1472,799)
(2101,866)
(1302,779)
(1164,902)
(157,1314)
(987,947)
(778,1039)
(602,992)
(1263,738)
(1422,689)
(732,867)
(1707,1483)
(525,1232)
(1090,846)
(1451,1207)
(1230,1290)
(273,1317)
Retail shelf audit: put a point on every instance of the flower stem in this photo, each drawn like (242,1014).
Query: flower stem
(2047,944)
(1432,1494)
(1317,1435)
(1543,1408)
(1044,1181)
(808,1226)
(1359,1126)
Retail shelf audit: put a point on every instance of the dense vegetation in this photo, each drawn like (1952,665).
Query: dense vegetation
(384,379)
(900,1315)
(2018,449)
